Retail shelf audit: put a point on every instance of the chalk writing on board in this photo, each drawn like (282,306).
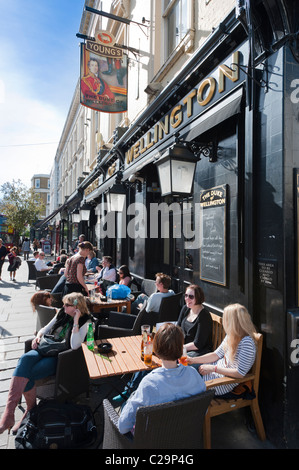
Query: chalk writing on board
(213,235)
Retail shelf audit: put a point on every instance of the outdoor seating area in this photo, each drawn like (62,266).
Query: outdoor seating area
(179,424)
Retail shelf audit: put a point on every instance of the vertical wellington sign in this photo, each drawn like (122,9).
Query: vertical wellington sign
(103,75)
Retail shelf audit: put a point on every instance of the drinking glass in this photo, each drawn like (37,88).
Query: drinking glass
(145,331)
(148,353)
(183,358)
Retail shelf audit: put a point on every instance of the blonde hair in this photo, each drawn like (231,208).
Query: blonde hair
(237,323)
(77,300)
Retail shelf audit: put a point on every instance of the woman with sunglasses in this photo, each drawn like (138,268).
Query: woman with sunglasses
(71,322)
(124,275)
(196,322)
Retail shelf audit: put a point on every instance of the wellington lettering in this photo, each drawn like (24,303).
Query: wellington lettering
(203,95)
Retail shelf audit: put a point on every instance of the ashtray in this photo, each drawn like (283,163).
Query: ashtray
(104,347)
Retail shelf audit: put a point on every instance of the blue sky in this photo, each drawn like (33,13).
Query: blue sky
(39,69)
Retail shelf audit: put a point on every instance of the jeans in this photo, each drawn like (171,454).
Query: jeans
(139,300)
(33,366)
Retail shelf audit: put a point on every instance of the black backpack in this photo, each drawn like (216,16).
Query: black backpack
(54,425)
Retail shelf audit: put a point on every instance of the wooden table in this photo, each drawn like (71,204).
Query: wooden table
(98,303)
(123,359)
(117,305)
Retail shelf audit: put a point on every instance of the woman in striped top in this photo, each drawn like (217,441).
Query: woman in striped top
(235,355)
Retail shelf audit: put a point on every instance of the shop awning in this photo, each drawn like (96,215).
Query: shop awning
(225,109)
(47,219)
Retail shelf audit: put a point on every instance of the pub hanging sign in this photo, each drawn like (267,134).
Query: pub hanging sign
(103,75)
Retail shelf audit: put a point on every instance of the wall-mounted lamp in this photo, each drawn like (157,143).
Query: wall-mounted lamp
(176,170)
(76,216)
(176,166)
(85,211)
(116,195)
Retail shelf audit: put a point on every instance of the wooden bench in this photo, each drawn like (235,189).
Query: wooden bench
(220,406)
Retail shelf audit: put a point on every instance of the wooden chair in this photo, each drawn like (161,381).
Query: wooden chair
(220,406)
(173,425)
(218,333)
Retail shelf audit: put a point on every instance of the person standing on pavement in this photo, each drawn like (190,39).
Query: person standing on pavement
(26,248)
(75,270)
(14,263)
(3,253)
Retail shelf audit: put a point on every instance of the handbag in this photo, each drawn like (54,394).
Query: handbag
(54,425)
(49,347)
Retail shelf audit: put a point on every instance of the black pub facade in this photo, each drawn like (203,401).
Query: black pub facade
(234,110)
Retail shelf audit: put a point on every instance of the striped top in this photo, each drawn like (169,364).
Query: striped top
(243,361)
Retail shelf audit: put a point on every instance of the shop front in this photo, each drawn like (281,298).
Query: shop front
(207,182)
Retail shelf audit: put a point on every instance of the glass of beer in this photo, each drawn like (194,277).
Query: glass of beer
(148,353)
(183,358)
(145,331)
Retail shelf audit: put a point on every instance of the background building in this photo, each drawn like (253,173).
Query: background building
(41,185)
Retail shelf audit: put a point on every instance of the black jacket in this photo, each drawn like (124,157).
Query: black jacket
(199,332)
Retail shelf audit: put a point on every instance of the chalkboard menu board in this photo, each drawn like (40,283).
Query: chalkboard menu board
(213,235)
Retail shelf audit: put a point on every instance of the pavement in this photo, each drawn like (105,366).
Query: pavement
(17,323)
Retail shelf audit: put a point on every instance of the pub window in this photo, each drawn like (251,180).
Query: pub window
(177,15)
(37,183)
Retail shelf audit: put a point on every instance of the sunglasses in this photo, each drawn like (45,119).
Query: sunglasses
(68,305)
(191,296)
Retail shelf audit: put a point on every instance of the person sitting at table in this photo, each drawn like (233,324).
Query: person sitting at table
(163,282)
(75,270)
(34,256)
(62,252)
(40,264)
(71,323)
(58,265)
(236,354)
(196,322)
(170,382)
(91,262)
(107,270)
(124,275)
(42,297)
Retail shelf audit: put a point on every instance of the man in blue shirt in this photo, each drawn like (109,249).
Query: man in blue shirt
(170,382)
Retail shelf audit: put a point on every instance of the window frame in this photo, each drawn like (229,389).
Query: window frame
(186,42)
